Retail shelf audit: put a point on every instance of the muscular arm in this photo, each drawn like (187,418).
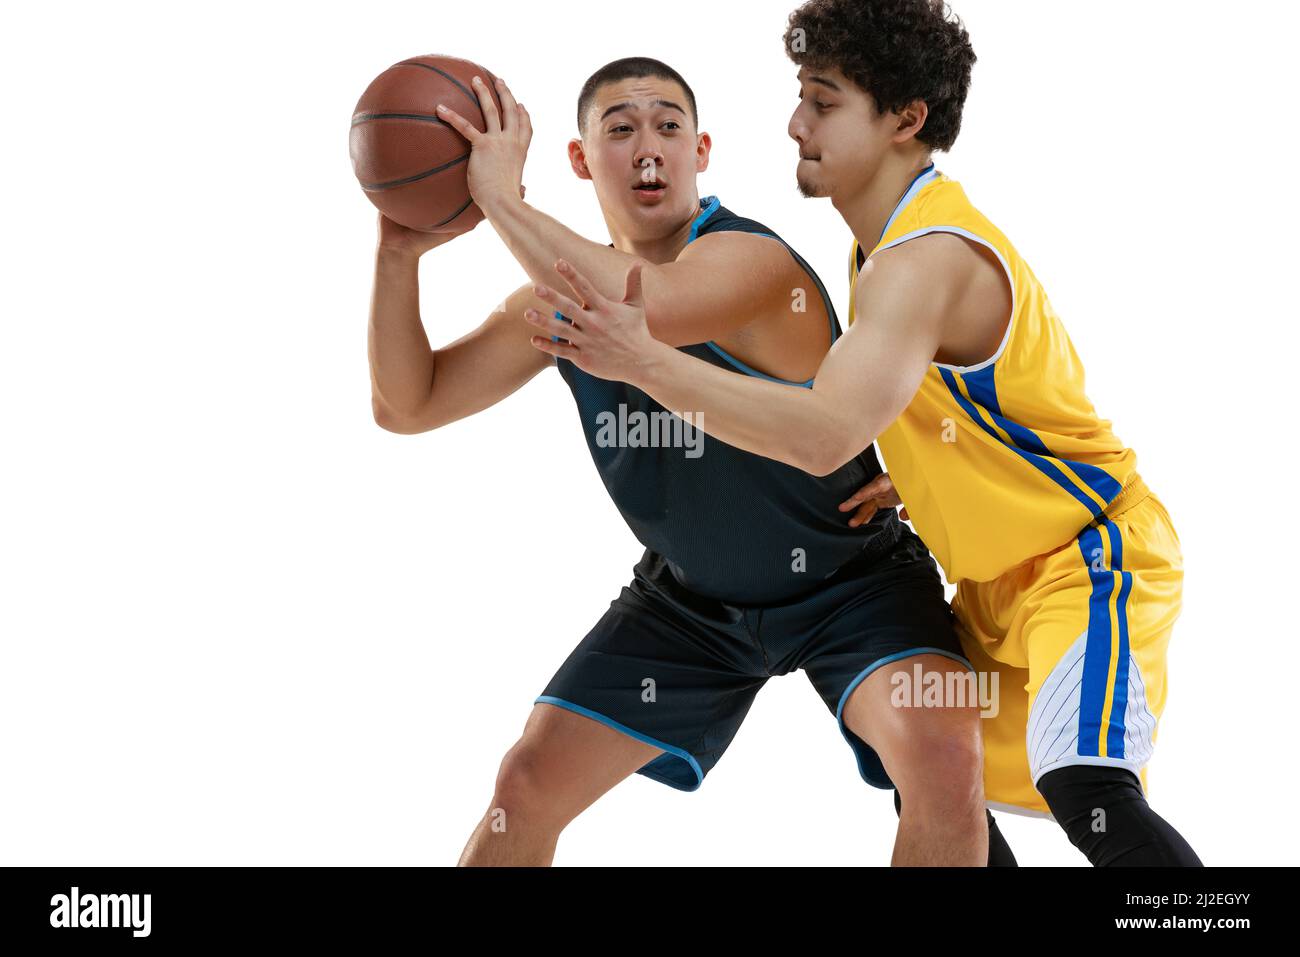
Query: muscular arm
(415,388)
(864,383)
(717,285)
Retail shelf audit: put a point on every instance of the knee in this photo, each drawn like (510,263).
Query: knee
(521,783)
(940,769)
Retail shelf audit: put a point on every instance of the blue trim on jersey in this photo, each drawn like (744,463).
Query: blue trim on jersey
(1096,655)
(1119,701)
(711,205)
(559,315)
(1043,464)
(610,722)
(752,371)
(913,188)
(983,391)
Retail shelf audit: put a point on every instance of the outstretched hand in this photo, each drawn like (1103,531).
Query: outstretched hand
(608,339)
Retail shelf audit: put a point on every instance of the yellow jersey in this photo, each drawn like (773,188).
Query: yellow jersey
(1007,459)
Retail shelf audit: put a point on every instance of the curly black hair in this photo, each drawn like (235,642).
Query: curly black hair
(896,50)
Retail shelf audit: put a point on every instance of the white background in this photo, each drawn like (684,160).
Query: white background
(244,625)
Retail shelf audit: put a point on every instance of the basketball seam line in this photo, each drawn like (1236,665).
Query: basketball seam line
(376,187)
(423,117)
(453,215)
(443,73)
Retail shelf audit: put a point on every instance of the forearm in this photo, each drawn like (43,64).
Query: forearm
(401,361)
(537,241)
(798,426)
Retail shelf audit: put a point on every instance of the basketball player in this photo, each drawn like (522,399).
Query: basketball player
(720,600)
(1068,569)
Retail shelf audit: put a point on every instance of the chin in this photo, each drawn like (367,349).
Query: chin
(810,188)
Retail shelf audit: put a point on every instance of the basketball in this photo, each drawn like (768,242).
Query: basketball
(411,164)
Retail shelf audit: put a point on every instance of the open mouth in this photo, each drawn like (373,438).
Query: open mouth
(650,187)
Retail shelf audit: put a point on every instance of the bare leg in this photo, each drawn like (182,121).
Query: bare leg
(557,769)
(935,757)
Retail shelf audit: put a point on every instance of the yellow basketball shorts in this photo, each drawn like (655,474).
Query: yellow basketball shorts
(1077,641)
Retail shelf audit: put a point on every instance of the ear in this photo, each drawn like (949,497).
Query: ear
(578,160)
(702,147)
(911,120)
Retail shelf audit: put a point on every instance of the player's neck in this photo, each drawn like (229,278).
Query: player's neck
(867,211)
(663,249)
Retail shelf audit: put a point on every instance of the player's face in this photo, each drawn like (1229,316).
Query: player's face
(642,152)
(841,137)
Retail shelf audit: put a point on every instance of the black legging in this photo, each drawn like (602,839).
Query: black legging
(1127,834)
(1105,815)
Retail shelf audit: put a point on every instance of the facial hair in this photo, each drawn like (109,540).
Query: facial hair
(807,187)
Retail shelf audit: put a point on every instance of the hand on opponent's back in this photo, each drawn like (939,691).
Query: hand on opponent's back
(877,494)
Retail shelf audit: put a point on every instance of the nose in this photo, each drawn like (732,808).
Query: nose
(647,153)
(797,129)
(648,162)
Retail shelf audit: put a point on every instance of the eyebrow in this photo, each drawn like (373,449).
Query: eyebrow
(822,81)
(628,106)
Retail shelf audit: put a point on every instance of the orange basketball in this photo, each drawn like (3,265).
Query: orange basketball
(411,164)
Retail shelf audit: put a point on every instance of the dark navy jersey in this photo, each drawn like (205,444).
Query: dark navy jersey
(730,524)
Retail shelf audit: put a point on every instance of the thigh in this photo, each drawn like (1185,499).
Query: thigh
(886,619)
(567,761)
(651,672)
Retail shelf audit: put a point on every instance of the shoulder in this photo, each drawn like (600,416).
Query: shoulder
(934,262)
(914,284)
(749,249)
(751,244)
(723,220)
(754,250)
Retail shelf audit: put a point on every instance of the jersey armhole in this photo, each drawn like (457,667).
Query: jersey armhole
(1006,270)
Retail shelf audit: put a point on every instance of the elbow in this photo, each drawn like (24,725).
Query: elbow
(384,417)
(820,464)
(392,421)
(825,454)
